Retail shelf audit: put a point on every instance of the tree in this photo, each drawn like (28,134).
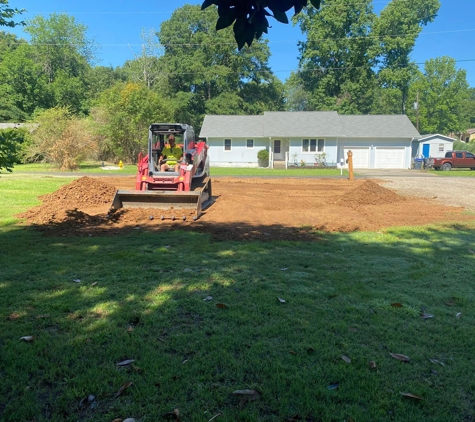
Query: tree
(7,13)
(62,139)
(206,73)
(397,29)
(442,91)
(23,84)
(65,54)
(122,117)
(10,143)
(249,18)
(335,60)
(145,68)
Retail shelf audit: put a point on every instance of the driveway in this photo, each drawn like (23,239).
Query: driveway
(455,191)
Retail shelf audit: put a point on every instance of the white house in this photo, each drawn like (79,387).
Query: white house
(432,146)
(377,141)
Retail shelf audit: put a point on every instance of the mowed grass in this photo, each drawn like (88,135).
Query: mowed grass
(454,173)
(97,168)
(140,297)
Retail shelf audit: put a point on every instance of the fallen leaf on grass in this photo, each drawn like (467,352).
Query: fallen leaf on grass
(137,369)
(402,358)
(123,388)
(246,395)
(427,316)
(130,329)
(208,298)
(129,420)
(346,358)
(94,284)
(459,314)
(86,401)
(126,362)
(353,329)
(284,269)
(76,280)
(333,386)
(43,316)
(28,339)
(173,415)
(222,306)
(118,420)
(472,252)
(214,417)
(450,303)
(437,361)
(292,352)
(397,305)
(372,364)
(412,396)
(281,300)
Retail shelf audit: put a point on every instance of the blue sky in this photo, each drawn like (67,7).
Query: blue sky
(116,27)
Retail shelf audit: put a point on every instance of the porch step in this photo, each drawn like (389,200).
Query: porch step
(279,164)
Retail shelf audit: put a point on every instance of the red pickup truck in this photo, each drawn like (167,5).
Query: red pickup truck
(455,159)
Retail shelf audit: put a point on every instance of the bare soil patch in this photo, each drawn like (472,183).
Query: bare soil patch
(254,209)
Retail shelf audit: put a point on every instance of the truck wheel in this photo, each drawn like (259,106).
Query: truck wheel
(446,166)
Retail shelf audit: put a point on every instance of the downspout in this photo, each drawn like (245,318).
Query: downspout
(410,147)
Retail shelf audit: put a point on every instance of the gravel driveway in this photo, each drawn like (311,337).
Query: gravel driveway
(456,191)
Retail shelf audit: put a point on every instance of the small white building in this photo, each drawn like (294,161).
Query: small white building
(432,146)
(377,141)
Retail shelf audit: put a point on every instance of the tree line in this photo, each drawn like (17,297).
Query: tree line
(351,61)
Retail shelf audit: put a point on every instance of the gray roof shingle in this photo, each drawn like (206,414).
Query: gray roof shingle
(379,126)
(309,123)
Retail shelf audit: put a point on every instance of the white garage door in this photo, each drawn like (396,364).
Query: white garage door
(360,157)
(389,158)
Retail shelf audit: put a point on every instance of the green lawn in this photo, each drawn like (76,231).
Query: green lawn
(96,167)
(454,173)
(140,297)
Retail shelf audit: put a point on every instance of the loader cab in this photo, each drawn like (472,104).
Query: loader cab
(157,140)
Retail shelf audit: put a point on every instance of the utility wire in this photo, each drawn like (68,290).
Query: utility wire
(392,36)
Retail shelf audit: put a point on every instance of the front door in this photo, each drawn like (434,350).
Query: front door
(278,150)
(426,150)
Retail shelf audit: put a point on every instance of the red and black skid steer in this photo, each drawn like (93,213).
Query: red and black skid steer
(188,188)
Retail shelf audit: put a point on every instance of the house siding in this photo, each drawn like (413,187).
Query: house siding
(239,155)
(433,143)
(373,144)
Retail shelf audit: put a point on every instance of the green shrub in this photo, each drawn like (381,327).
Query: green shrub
(263,155)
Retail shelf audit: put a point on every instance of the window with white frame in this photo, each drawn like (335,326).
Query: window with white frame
(441,147)
(313,145)
(320,145)
(250,143)
(227,144)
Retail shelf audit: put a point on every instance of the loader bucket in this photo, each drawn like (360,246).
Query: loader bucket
(193,200)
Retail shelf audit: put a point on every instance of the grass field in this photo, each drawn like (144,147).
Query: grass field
(141,297)
(96,167)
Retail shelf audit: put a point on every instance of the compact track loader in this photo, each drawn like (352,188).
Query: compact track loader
(187,189)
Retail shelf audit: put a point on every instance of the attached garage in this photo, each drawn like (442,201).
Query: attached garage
(389,158)
(360,156)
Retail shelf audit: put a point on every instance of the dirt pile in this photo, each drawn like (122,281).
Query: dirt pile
(73,202)
(369,193)
(84,191)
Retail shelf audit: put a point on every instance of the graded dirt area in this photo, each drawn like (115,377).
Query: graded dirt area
(243,208)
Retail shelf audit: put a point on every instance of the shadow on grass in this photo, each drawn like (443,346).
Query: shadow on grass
(94,301)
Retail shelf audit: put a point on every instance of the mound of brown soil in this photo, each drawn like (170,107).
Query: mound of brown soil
(369,193)
(63,205)
(84,191)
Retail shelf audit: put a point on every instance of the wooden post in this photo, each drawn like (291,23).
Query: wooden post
(350,164)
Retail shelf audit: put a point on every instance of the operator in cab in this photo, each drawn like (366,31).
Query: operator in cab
(171,156)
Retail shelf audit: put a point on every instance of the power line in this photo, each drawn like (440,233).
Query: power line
(266,41)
